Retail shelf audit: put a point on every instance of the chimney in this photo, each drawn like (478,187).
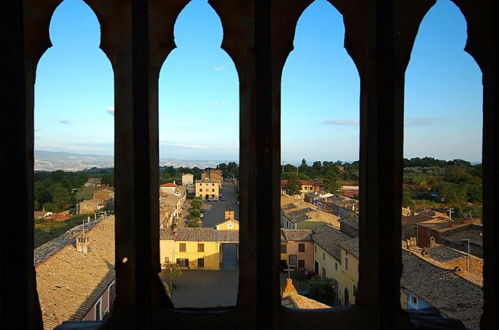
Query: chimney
(82,244)
(229,214)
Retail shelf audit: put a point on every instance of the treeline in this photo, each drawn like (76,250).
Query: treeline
(53,191)
(318,170)
(330,175)
(434,183)
(170,173)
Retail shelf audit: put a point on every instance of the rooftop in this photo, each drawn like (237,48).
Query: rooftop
(69,282)
(474,234)
(329,239)
(454,296)
(199,234)
(296,234)
(351,246)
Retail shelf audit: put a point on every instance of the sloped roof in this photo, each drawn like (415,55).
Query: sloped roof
(454,296)
(351,246)
(200,234)
(296,234)
(329,239)
(69,282)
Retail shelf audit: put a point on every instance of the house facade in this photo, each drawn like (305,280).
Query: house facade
(297,249)
(187,179)
(207,189)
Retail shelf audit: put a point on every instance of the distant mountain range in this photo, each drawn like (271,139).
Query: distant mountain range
(66,161)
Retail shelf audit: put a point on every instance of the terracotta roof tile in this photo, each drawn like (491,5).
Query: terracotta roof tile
(69,282)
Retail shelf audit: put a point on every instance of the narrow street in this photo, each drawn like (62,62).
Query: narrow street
(214,211)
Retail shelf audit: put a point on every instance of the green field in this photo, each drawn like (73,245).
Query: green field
(85,193)
(45,230)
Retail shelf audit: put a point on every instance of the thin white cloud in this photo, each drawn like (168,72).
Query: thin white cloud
(342,122)
(64,121)
(418,122)
(219,68)
(110,110)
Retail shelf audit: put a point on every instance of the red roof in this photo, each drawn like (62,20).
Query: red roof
(169,185)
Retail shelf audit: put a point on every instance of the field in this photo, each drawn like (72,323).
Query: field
(45,230)
(85,193)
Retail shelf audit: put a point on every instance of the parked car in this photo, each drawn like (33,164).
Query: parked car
(222,198)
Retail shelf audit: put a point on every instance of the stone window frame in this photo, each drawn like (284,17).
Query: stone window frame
(258,47)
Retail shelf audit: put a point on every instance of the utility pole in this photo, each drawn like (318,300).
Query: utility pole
(468,258)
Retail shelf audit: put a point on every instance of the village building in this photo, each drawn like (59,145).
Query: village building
(90,206)
(424,284)
(297,249)
(213,176)
(73,285)
(350,226)
(196,248)
(207,189)
(306,186)
(452,233)
(104,194)
(349,275)
(296,214)
(187,179)
(327,254)
(168,188)
(93,182)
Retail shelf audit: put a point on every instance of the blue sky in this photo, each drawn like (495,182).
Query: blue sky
(198,90)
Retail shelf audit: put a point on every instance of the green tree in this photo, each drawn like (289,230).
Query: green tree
(407,197)
(321,289)
(290,168)
(293,186)
(331,182)
(195,213)
(195,223)
(452,193)
(171,272)
(303,168)
(196,203)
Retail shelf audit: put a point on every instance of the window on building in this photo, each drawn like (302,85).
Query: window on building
(201,190)
(324,275)
(183,247)
(212,190)
(200,247)
(336,266)
(346,263)
(301,263)
(323,256)
(292,260)
(283,248)
(301,247)
(201,262)
(183,262)
(354,291)
(414,300)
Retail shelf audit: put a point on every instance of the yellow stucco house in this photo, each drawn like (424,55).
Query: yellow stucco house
(198,248)
(328,260)
(207,189)
(349,279)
